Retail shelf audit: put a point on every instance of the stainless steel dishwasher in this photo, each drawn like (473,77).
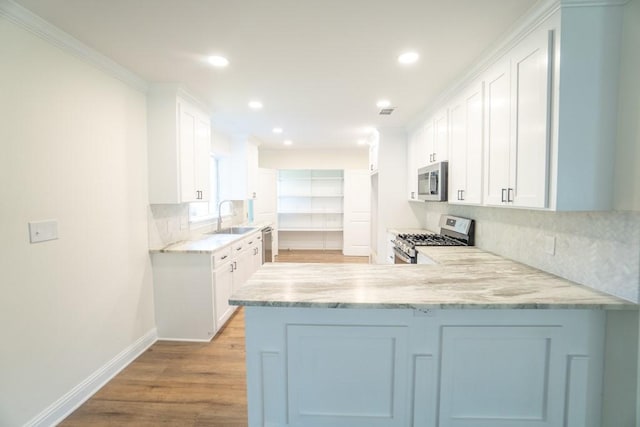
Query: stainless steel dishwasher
(267,244)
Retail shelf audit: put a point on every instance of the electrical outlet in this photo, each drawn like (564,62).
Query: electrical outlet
(41,231)
(550,245)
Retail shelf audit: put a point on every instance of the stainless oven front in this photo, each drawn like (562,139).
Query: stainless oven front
(402,258)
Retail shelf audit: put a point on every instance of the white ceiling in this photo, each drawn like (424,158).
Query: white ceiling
(318,66)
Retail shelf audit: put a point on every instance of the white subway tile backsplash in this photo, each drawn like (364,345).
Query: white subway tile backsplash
(170,223)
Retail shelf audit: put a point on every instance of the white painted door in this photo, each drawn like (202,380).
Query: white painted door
(357,213)
(265,206)
(497,132)
(531,77)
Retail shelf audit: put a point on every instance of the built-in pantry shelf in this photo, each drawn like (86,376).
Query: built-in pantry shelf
(310,209)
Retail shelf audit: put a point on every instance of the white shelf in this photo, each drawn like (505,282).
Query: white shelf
(311,212)
(311,201)
(309,229)
(309,196)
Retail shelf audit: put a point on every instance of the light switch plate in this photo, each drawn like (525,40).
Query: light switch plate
(42,231)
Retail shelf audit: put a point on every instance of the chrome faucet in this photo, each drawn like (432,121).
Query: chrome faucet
(220,213)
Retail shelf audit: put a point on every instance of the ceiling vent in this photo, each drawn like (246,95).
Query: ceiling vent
(386,111)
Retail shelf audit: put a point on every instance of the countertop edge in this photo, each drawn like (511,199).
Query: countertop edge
(435,306)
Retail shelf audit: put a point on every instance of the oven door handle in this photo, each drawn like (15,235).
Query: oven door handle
(402,256)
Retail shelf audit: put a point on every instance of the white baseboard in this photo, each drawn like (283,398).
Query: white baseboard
(63,407)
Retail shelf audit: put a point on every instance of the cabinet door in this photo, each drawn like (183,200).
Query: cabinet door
(413,163)
(252,171)
(223,286)
(195,144)
(373,156)
(441,135)
(497,108)
(531,75)
(474,100)
(187,143)
(429,141)
(458,152)
(201,159)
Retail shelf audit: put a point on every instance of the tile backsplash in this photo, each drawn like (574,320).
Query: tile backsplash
(597,249)
(170,223)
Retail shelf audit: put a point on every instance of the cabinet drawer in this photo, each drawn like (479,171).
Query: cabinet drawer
(220,257)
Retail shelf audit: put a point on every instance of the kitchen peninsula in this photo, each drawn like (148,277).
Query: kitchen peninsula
(475,340)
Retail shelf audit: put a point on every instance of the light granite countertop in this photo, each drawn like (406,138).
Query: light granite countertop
(464,278)
(208,242)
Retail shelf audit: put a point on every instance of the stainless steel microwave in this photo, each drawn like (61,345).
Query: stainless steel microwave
(432,182)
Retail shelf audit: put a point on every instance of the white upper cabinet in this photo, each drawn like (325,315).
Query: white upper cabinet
(545,125)
(440,136)
(498,122)
(531,102)
(417,157)
(465,142)
(518,125)
(243,172)
(373,155)
(179,146)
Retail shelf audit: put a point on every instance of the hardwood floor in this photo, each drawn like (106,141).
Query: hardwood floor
(185,384)
(176,384)
(324,256)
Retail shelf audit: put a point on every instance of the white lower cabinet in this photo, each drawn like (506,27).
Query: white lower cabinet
(192,290)
(448,368)
(223,269)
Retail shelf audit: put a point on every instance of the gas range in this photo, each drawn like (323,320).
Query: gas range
(454,231)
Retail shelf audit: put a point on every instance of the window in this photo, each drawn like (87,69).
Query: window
(202,211)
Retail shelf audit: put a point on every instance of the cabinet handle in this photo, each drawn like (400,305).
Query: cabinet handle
(224,257)
(198,194)
(510,195)
(434,157)
(413,194)
(232,269)
(504,195)
(461,194)
(430,157)
(370,167)
(254,194)
(239,249)
(235,265)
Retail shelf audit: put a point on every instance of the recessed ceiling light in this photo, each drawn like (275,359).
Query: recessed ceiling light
(408,58)
(383,103)
(218,61)
(288,142)
(255,105)
(277,130)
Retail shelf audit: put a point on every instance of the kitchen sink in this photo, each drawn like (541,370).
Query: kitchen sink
(234,230)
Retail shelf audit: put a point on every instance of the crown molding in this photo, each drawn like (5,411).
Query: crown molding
(31,22)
